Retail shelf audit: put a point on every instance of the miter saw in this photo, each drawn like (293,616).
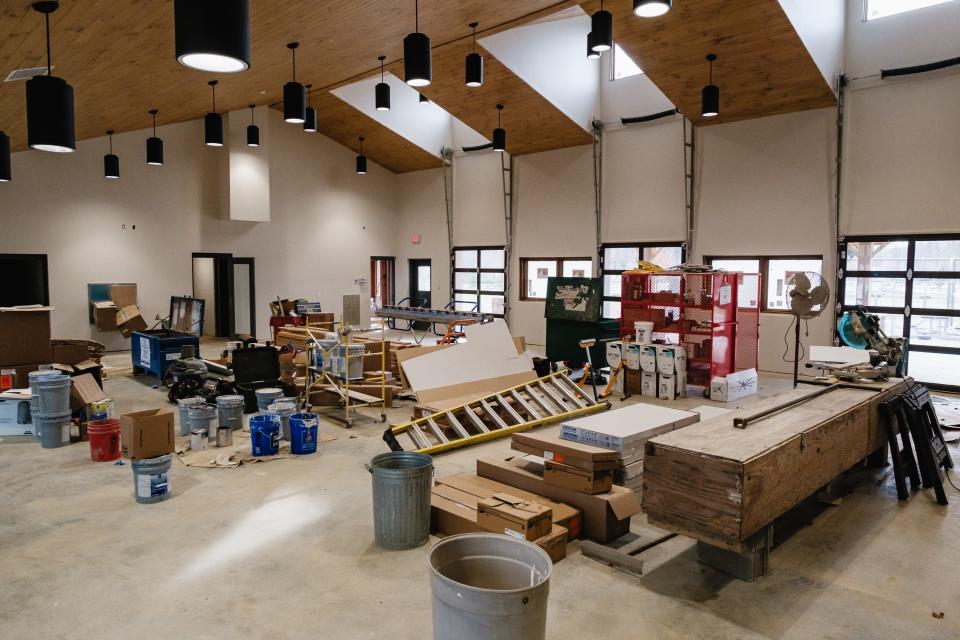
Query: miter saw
(860,329)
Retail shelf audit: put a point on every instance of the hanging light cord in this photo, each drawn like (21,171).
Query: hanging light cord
(474,37)
(110,138)
(213,90)
(49,68)
(154,114)
(293,50)
(361,145)
(252,121)
(416,14)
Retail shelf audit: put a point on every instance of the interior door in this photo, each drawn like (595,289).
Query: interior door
(244,298)
(382,280)
(213,283)
(420,279)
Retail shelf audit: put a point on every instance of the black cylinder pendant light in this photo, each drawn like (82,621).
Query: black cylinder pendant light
(6,175)
(424,99)
(474,62)
(417,63)
(601,23)
(361,160)
(294,96)
(154,144)
(651,8)
(50,123)
(213,35)
(253,131)
(499,134)
(591,54)
(213,121)
(710,97)
(111,163)
(382,90)
(310,119)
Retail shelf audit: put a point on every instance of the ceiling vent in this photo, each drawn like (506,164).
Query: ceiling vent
(25,74)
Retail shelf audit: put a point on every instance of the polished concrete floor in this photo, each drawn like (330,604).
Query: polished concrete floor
(284,550)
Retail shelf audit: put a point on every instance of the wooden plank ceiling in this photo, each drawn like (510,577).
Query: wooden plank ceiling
(119,55)
(762,66)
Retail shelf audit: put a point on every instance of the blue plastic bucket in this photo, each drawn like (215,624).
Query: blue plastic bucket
(303,433)
(265,435)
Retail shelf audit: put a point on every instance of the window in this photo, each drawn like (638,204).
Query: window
(623,65)
(883,8)
(617,258)
(912,284)
(479,279)
(537,270)
(776,273)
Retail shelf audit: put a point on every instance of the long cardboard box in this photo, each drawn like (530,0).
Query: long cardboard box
(477,488)
(564,475)
(549,446)
(606,516)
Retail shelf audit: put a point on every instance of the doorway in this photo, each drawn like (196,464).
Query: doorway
(382,280)
(25,280)
(420,295)
(226,284)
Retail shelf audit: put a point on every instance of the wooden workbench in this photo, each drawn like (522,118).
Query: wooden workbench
(724,486)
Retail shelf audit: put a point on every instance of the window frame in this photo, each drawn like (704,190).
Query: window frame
(602,271)
(910,276)
(613,64)
(478,270)
(866,11)
(558,263)
(765,274)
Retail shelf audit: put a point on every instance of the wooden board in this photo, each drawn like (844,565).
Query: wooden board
(721,485)
(762,69)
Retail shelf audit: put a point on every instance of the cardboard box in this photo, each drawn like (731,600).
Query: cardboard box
(123,295)
(513,516)
(105,315)
(672,387)
(671,359)
(648,384)
(15,417)
(564,475)
(69,353)
(554,543)
(734,386)
(549,446)
(130,320)
(24,335)
(606,516)
(648,358)
(631,356)
(146,434)
(470,489)
(84,389)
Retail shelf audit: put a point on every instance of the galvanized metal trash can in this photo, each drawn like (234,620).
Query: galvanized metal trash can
(401,498)
(488,586)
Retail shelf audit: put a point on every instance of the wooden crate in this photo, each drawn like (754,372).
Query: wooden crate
(721,485)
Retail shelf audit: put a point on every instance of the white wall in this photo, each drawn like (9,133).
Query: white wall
(327,221)
(204,287)
(821,25)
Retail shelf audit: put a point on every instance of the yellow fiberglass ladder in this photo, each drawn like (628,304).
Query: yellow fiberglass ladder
(541,401)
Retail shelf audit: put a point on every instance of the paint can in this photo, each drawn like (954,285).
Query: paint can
(198,439)
(230,412)
(265,435)
(151,478)
(201,416)
(104,439)
(54,394)
(100,410)
(183,406)
(224,436)
(54,431)
(267,396)
(7,377)
(33,377)
(643,332)
(283,409)
(303,433)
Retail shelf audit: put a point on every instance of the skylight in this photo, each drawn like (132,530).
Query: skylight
(884,8)
(623,66)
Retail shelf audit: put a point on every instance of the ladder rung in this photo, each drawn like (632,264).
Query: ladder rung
(540,401)
(509,409)
(455,424)
(419,437)
(493,414)
(437,431)
(549,393)
(477,422)
(528,407)
(573,396)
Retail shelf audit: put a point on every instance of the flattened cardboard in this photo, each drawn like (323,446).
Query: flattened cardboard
(564,475)
(467,483)
(146,434)
(514,516)
(69,353)
(24,335)
(84,390)
(606,516)
(549,446)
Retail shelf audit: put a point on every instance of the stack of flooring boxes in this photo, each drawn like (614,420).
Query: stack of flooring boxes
(465,503)
(626,431)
